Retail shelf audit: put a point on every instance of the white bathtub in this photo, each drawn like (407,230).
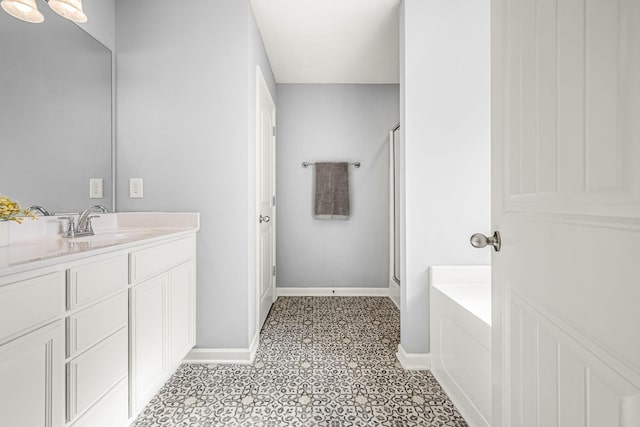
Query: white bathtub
(461,338)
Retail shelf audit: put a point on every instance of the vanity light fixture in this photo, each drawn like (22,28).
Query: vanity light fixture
(27,10)
(70,9)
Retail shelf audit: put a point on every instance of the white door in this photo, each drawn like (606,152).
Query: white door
(266,189)
(566,199)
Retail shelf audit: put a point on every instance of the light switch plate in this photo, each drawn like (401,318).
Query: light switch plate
(96,188)
(136,188)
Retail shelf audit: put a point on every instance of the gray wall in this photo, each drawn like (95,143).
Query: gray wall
(445,126)
(100,21)
(334,123)
(184,125)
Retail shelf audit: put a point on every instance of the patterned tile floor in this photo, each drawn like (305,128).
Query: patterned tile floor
(322,361)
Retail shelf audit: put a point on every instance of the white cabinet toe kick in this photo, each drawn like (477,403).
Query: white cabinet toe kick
(89,341)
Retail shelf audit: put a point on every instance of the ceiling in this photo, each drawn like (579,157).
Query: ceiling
(330,41)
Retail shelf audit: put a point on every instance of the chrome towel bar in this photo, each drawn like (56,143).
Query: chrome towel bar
(307,164)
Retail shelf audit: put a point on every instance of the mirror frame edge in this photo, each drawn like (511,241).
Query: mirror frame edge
(113,114)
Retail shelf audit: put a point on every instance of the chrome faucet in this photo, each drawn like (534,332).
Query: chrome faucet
(40,209)
(84,227)
(70,232)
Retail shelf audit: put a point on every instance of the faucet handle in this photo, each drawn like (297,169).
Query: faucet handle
(71,229)
(89,226)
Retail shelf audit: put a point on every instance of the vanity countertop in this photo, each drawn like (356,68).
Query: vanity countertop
(40,244)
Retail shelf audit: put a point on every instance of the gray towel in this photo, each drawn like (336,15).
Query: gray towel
(332,191)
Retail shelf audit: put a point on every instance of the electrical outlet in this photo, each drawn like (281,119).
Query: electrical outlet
(96,188)
(136,188)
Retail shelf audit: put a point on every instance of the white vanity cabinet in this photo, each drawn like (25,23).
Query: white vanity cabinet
(148,341)
(182,327)
(32,349)
(162,315)
(87,342)
(34,366)
(97,339)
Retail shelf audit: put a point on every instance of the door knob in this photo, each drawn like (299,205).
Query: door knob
(479,240)
(264,219)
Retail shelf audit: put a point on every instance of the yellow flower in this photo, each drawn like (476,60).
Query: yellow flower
(11,211)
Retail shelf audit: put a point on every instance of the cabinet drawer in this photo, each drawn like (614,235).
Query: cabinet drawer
(96,280)
(149,262)
(30,302)
(94,372)
(91,325)
(110,411)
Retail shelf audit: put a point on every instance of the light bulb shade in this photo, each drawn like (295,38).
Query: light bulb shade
(70,9)
(25,10)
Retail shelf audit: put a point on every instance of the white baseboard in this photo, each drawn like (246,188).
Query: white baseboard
(253,347)
(396,301)
(394,292)
(326,292)
(469,411)
(413,361)
(228,356)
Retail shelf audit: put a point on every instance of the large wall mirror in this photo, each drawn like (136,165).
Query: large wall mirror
(55,114)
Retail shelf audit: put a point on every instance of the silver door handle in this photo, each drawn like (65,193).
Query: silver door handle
(479,240)
(264,219)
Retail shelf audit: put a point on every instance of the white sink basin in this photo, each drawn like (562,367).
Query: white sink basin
(115,235)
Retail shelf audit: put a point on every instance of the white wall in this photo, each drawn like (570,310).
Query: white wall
(184,125)
(445,125)
(334,123)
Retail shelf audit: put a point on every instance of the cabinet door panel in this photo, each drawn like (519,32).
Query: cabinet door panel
(181,312)
(32,378)
(94,372)
(148,332)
